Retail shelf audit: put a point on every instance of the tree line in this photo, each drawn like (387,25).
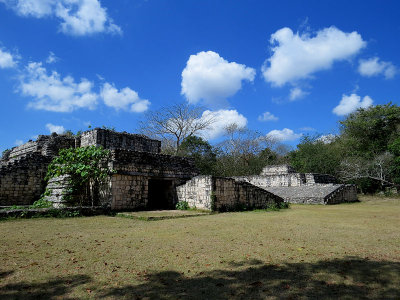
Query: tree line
(366,151)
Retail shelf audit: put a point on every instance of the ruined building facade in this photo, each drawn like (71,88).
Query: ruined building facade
(145,179)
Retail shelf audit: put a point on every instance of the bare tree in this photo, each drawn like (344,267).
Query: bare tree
(240,153)
(377,169)
(175,123)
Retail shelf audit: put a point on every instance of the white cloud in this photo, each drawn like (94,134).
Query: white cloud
(298,56)
(327,138)
(351,103)
(55,128)
(54,93)
(7,60)
(297,93)
(374,67)
(78,17)
(283,135)
(222,118)
(209,77)
(125,99)
(52,58)
(18,142)
(267,116)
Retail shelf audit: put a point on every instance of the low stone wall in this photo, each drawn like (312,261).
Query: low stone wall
(222,194)
(22,180)
(109,139)
(346,193)
(317,194)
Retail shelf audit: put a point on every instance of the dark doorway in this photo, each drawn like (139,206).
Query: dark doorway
(161,194)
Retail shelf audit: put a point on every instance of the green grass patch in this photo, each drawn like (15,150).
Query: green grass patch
(320,252)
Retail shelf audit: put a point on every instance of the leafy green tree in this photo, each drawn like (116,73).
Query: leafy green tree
(394,148)
(368,131)
(201,151)
(86,167)
(366,136)
(314,155)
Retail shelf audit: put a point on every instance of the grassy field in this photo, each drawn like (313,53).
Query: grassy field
(348,251)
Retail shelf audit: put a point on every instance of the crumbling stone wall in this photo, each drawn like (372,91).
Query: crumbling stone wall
(218,193)
(289,179)
(47,145)
(109,139)
(22,179)
(23,168)
(277,170)
(292,179)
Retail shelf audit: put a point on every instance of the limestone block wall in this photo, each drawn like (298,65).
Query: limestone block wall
(197,192)
(218,193)
(149,164)
(47,145)
(109,139)
(314,178)
(128,192)
(263,181)
(346,193)
(277,170)
(232,195)
(22,179)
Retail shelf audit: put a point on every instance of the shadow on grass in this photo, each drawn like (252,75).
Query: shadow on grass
(349,278)
(53,289)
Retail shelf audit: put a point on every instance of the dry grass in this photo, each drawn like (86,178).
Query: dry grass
(162,214)
(348,251)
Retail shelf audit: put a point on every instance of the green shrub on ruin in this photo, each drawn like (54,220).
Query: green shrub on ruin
(182,205)
(87,168)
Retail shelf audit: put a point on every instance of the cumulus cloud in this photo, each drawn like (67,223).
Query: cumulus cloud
(52,58)
(296,56)
(222,119)
(77,17)
(7,60)
(327,138)
(283,135)
(267,116)
(374,67)
(297,93)
(351,103)
(125,99)
(209,77)
(51,92)
(55,128)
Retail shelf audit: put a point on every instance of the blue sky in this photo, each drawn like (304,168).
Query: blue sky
(284,68)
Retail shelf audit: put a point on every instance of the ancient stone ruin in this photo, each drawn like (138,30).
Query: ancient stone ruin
(144,178)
